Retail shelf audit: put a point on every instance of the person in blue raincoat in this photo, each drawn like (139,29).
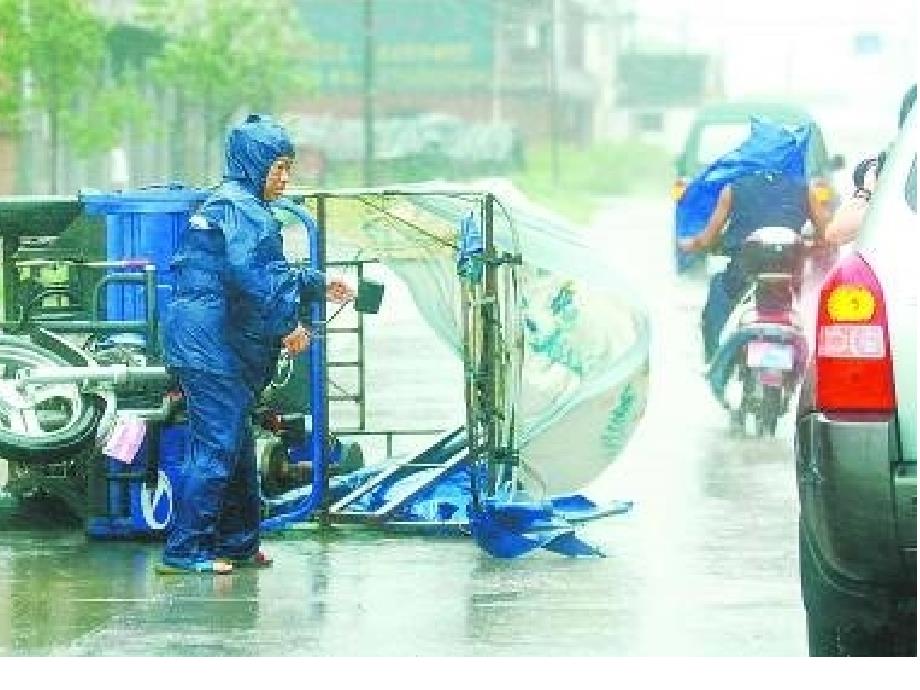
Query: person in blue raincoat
(236,305)
(761,183)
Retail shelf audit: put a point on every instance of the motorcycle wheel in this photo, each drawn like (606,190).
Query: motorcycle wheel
(56,422)
(769,411)
(749,409)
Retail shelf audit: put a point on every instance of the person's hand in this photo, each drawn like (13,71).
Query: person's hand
(339,292)
(296,341)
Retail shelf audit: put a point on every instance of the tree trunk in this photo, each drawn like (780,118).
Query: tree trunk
(208,129)
(53,125)
(208,136)
(179,162)
(25,162)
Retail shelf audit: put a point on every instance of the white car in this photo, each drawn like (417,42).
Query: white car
(856,433)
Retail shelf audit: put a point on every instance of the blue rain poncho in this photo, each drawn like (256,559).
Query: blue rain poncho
(235,298)
(770,148)
(236,295)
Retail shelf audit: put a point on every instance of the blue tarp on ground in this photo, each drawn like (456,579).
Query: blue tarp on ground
(445,503)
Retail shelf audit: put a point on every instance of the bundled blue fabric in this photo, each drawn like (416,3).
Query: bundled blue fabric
(771,147)
(510,529)
(470,253)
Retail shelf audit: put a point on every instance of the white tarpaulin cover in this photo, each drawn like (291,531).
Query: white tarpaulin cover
(584,335)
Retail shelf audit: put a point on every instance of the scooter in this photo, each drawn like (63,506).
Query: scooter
(763,350)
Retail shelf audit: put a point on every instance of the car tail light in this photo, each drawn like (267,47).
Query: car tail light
(678,189)
(853,368)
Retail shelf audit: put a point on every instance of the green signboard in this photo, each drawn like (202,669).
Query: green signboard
(419,45)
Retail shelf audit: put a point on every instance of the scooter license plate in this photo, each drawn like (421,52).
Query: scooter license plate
(770,356)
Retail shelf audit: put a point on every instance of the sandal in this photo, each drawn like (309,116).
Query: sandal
(217,566)
(257,560)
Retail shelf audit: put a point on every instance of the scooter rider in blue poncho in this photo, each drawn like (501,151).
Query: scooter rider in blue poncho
(761,183)
(236,305)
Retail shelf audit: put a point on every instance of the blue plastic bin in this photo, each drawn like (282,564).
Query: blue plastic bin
(132,510)
(142,224)
(152,511)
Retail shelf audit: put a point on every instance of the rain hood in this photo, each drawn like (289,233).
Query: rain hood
(251,148)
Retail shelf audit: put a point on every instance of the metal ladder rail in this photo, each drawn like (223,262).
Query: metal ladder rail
(359,398)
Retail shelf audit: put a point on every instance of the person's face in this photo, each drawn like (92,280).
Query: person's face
(278,176)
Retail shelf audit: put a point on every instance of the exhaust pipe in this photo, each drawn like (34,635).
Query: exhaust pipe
(116,375)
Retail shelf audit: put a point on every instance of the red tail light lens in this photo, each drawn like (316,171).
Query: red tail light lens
(853,368)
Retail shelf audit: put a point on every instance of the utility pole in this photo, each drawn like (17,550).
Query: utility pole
(25,165)
(368,93)
(553,95)
(497,18)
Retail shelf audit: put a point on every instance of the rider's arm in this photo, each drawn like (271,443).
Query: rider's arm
(716,222)
(845,224)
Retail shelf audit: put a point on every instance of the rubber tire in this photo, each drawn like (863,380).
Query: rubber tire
(736,423)
(854,639)
(768,414)
(59,445)
(833,633)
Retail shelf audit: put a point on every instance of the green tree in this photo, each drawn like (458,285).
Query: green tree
(11,61)
(52,61)
(100,126)
(64,48)
(226,55)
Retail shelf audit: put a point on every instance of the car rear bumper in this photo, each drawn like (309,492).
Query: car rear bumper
(858,498)
(857,532)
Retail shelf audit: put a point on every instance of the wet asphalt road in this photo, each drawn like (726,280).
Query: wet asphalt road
(705,564)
